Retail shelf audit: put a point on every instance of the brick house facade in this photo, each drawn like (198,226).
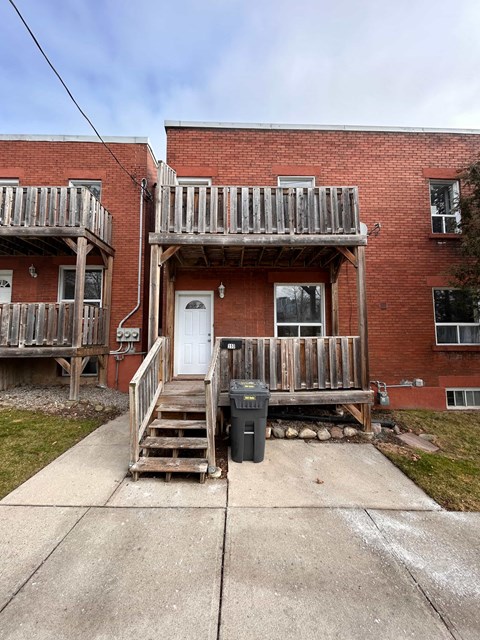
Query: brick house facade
(394,171)
(40,161)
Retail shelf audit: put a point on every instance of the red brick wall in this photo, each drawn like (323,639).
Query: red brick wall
(37,163)
(403,262)
(248,306)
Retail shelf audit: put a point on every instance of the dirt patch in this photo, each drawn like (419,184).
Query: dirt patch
(94,402)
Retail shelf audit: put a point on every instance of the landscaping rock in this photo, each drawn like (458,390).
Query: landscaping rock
(323,434)
(397,430)
(278,432)
(376,428)
(427,436)
(99,407)
(307,433)
(350,432)
(337,433)
(291,433)
(366,436)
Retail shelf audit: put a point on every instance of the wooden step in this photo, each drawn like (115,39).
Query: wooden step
(170,465)
(167,423)
(179,409)
(174,443)
(181,403)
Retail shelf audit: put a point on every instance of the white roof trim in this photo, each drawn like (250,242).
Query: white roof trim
(311,127)
(49,138)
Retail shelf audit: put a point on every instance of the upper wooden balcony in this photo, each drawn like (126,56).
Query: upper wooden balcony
(36,219)
(256,226)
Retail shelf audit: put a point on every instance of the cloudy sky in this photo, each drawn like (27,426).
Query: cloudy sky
(133,64)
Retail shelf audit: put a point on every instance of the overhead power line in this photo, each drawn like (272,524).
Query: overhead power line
(70,95)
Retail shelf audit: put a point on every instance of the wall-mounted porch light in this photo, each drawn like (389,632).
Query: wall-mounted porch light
(221,290)
(32,271)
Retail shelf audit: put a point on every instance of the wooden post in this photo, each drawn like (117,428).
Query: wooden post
(76,364)
(170,313)
(154,296)
(363,328)
(107,297)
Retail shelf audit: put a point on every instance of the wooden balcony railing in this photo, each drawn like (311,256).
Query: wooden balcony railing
(294,364)
(257,210)
(54,207)
(43,324)
(145,389)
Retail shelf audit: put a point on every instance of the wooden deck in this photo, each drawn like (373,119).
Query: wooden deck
(50,214)
(41,329)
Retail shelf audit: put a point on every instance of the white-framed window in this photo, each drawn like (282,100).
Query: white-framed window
(444,205)
(9,182)
(457,317)
(463,398)
(299,310)
(94,186)
(296,181)
(93,285)
(93,295)
(194,182)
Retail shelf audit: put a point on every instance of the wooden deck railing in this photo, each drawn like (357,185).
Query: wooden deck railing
(295,364)
(145,389)
(54,207)
(257,210)
(43,324)
(212,395)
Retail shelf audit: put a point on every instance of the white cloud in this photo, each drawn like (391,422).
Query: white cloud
(130,65)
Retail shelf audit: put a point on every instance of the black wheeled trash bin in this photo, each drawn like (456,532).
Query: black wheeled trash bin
(249,408)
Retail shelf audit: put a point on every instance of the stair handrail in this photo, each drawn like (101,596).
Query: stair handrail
(212,396)
(144,390)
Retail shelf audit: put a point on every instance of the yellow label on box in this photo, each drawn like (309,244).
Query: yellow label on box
(249,397)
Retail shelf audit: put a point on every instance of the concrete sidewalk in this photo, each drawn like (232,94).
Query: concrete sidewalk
(318,541)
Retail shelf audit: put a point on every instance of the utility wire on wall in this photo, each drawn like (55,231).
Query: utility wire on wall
(134,179)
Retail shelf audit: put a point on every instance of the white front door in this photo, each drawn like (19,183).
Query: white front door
(193,332)
(6,286)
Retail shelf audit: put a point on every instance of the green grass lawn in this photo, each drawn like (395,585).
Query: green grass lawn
(450,476)
(29,440)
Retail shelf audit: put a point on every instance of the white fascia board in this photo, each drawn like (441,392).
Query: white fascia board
(312,127)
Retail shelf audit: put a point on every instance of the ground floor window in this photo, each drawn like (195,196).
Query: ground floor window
(93,285)
(457,318)
(299,310)
(92,295)
(463,398)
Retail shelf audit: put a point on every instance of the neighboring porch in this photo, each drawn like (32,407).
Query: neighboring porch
(50,225)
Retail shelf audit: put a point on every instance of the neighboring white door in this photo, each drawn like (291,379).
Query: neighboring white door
(193,332)
(5,286)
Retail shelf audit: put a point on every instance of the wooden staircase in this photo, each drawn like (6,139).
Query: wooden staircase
(176,441)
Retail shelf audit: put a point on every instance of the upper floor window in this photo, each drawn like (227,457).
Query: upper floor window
(299,310)
(94,186)
(195,182)
(457,318)
(444,196)
(296,181)
(93,285)
(9,182)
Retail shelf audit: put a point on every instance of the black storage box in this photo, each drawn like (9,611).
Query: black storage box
(249,408)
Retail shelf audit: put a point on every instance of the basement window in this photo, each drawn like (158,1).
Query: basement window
(457,317)
(299,310)
(296,181)
(463,398)
(444,206)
